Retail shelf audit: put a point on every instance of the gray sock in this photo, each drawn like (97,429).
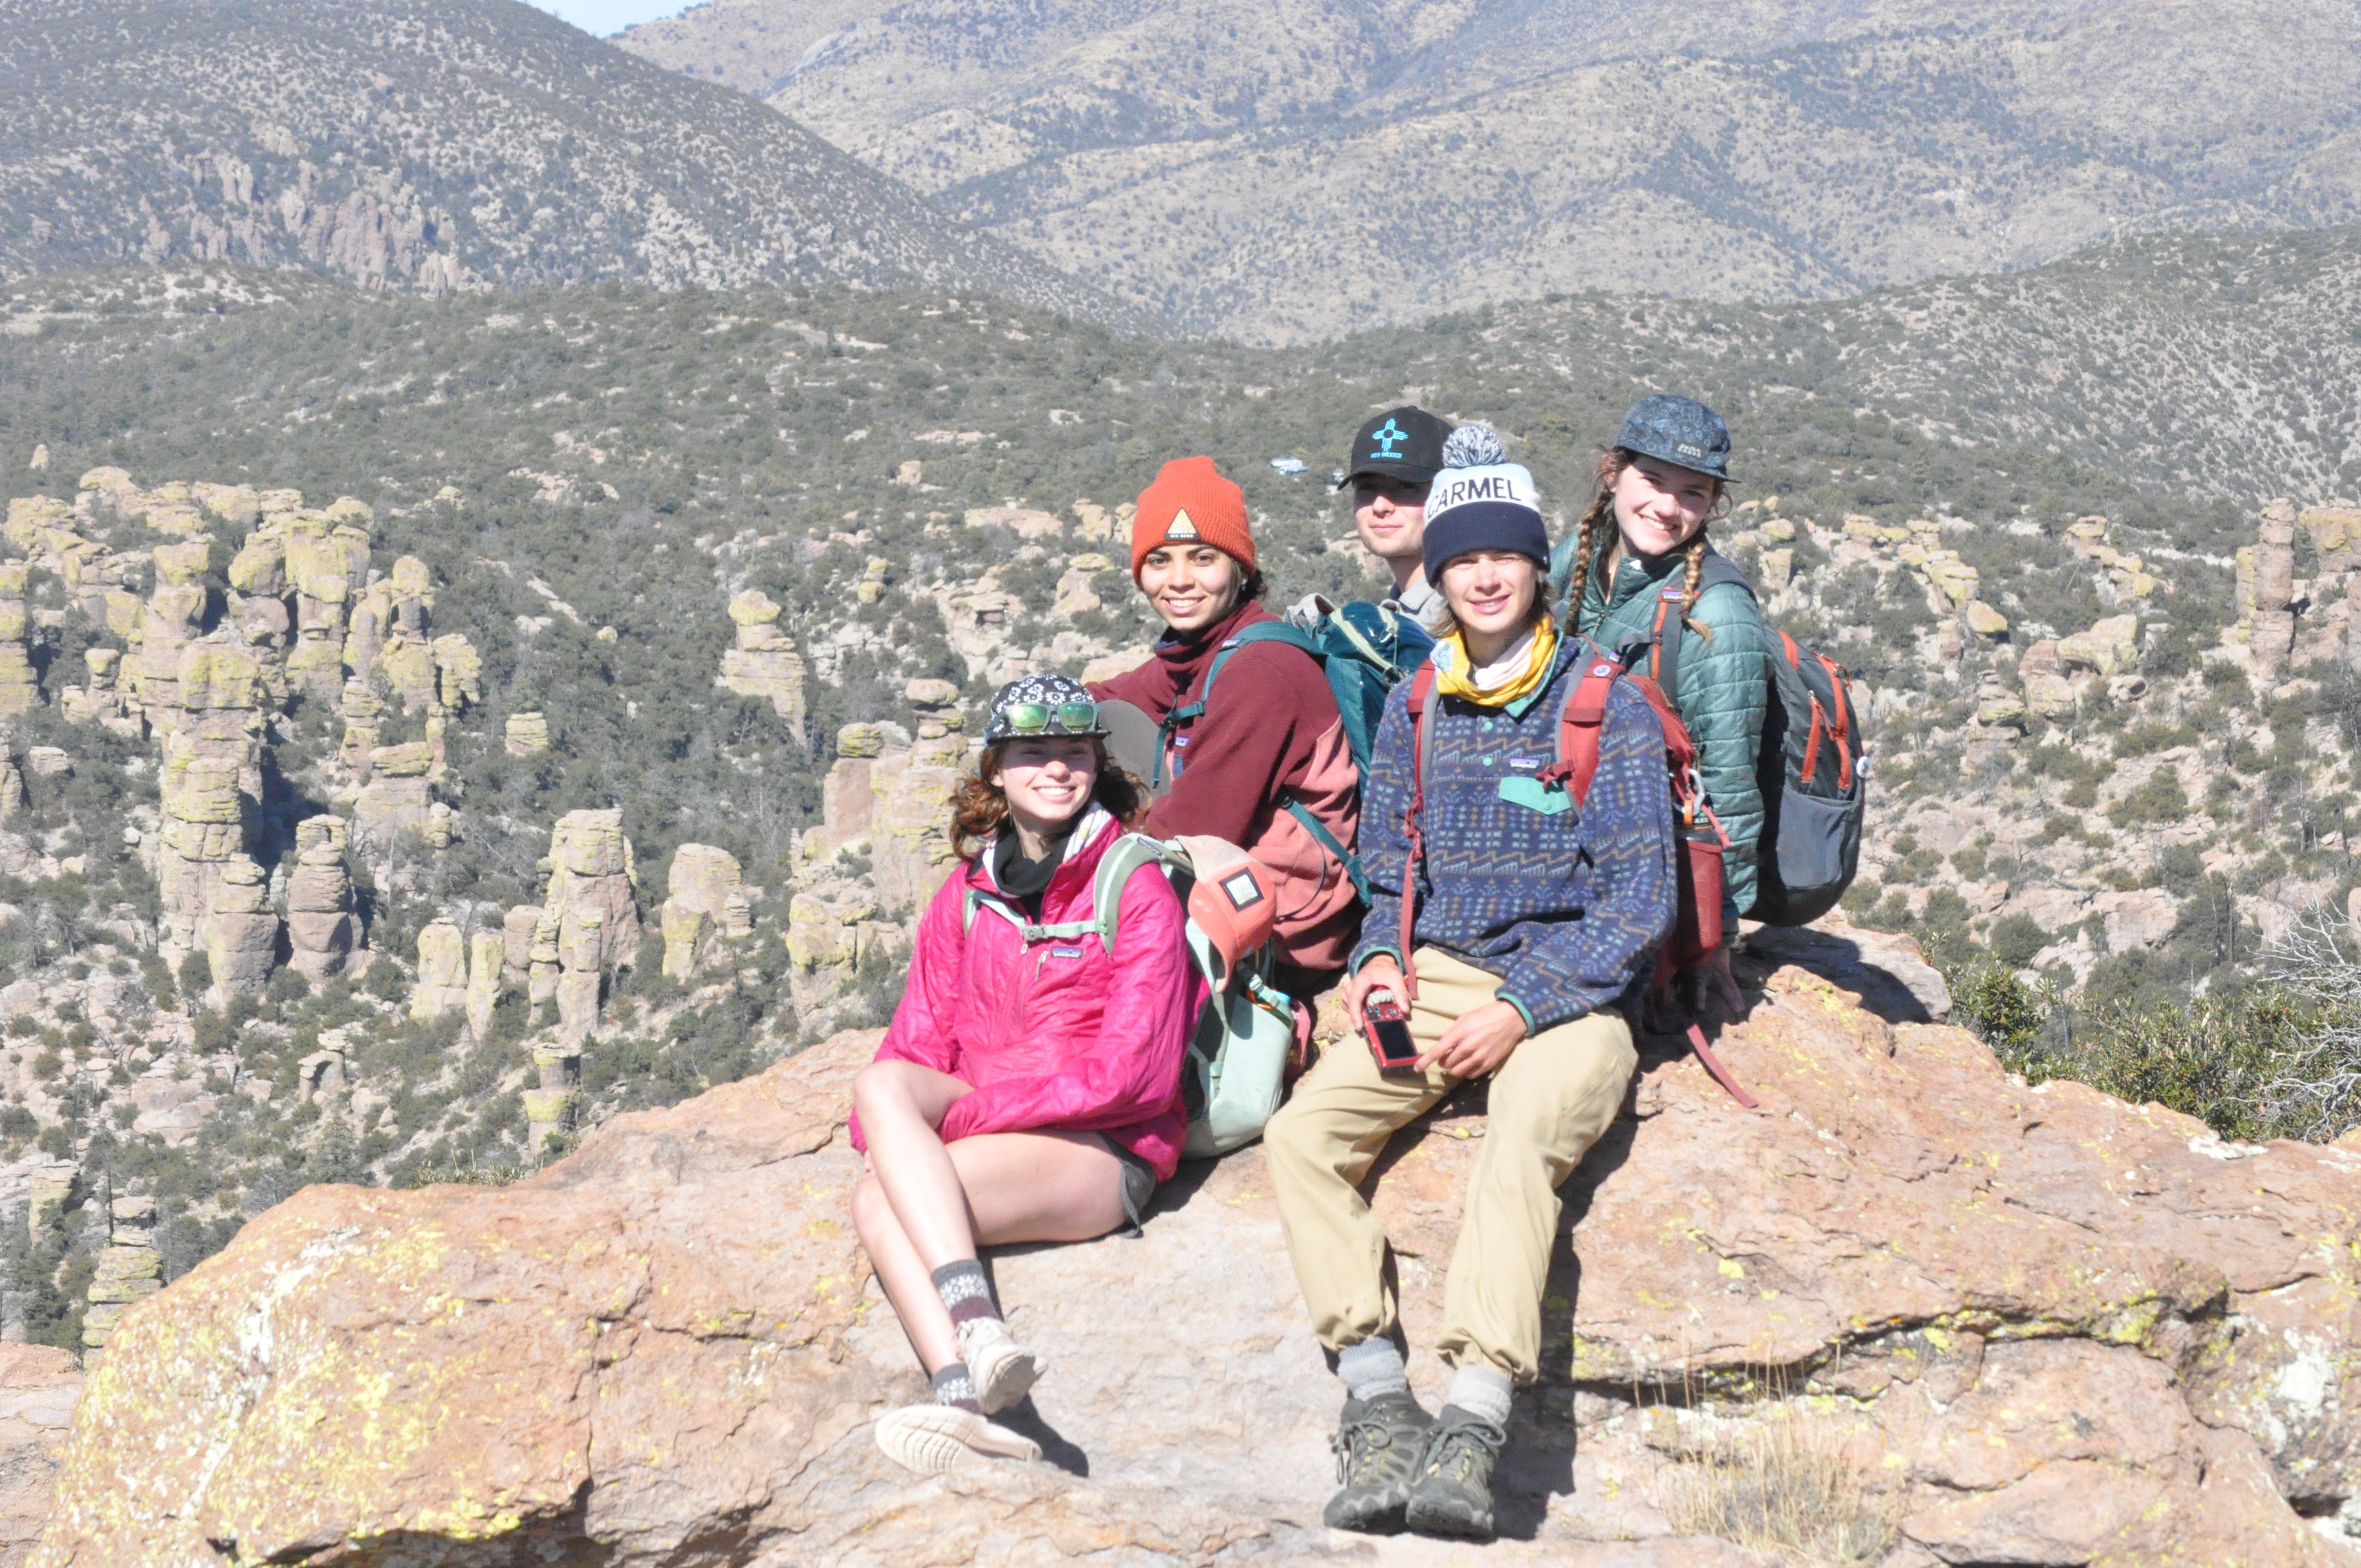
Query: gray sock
(1481,1391)
(965,1295)
(1372,1368)
(953,1387)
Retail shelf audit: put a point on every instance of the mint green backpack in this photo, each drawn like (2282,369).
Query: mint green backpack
(1235,1072)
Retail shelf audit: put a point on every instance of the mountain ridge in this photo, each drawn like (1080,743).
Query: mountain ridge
(1288,170)
(427,146)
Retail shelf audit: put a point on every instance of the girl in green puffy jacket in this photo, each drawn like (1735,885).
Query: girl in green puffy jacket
(1660,487)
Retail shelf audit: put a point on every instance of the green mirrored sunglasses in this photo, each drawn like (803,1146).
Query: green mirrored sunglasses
(1035,718)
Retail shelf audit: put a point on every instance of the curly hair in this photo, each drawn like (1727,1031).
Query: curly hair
(979,806)
(1602,515)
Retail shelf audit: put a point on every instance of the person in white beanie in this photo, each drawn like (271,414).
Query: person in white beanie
(1511,928)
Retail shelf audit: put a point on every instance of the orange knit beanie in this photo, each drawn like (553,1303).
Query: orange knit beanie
(1191,503)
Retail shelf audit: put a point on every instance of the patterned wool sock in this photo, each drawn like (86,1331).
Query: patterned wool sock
(1482,1391)
(965,1295)
(1372,1368)
(952,1386)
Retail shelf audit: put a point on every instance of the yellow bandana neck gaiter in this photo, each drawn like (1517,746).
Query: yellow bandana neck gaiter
(1454,674)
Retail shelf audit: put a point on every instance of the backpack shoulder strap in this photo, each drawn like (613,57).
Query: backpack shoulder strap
(1719,569)
(1579,722)
(1260,632)
(1124,856)
(1664,652)
(1422,704)
(1389,628)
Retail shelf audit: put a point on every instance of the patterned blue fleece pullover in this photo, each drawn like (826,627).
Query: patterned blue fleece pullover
(1566,907)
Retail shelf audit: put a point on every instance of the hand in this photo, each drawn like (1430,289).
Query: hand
(1380,973)
(1713,972)
(1478,1042)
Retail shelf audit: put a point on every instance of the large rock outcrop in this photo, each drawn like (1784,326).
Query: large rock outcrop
(2042,1326)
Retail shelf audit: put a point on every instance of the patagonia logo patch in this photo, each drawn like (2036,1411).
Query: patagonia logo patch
(1183,526)
(1065,952)
(1526,765)
(1240,889)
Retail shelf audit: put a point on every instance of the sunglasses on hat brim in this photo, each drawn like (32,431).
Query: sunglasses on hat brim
(1036,717)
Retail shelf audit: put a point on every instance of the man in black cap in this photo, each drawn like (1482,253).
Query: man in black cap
(1394,458)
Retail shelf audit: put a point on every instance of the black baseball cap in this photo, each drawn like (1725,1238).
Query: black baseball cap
(1403,443)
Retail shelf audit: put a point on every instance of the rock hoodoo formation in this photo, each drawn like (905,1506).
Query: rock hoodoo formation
(589,927)
(2030,1326)
(305,620)
(886,796)
(764,664)
(442,984)
(129,1270)
(322,931)
(2269,576)
(708,900)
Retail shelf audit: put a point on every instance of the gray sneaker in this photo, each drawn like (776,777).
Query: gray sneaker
(1377,1446)
(1453,1492)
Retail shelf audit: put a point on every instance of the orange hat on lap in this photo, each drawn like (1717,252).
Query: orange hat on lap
(1190,503)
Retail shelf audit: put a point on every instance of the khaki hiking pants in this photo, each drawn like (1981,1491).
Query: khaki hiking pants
(1553,1096)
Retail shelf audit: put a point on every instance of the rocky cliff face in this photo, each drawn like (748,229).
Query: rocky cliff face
(2006,1324)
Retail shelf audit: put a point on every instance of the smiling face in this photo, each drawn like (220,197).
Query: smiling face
(1047,779)
(1660,507)
(1191,587)
(1391,516)
(1492,593)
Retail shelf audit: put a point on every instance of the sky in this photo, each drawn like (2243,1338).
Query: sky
(604,18)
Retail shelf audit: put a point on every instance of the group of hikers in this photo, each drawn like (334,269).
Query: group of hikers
(1484,842)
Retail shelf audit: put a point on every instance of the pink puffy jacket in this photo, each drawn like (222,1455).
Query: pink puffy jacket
(1055,1034)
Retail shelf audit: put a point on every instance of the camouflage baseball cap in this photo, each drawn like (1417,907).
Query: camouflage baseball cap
(1679,431)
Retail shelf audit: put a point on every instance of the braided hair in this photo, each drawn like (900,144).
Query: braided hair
(1601,514)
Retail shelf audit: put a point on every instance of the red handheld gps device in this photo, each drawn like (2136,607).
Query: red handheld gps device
(1389,1030)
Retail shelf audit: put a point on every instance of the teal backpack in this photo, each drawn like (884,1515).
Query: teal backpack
(1352,647)
(1246,1036)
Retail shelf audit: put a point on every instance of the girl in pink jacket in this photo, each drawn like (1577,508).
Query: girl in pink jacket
(1029,1088)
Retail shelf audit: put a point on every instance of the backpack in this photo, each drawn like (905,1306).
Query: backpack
(1696,928)
(1359,676)
(1808,770)
(1248,1034)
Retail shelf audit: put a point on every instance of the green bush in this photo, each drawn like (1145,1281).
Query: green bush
(2014,939)
(2230,1061)
(2160,799)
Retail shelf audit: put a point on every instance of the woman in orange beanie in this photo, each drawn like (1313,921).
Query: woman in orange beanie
(1269,743)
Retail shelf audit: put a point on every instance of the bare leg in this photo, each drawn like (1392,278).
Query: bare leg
(1014,1187)
(901,1105)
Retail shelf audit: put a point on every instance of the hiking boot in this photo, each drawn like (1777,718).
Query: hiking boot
(1002,1371)
(931,1439)
(1377,1446)
(1453,1492)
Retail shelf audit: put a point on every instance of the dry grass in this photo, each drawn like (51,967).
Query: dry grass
(1781,1483)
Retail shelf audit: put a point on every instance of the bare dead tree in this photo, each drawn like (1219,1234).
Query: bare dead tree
(2316,1088)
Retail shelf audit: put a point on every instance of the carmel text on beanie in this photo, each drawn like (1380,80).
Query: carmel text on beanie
(1481,501)
(1190,503)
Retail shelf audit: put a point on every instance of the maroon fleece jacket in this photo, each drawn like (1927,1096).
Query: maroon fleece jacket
(1261,736)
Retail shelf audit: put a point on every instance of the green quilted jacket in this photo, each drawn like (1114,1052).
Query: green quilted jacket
(1725,693)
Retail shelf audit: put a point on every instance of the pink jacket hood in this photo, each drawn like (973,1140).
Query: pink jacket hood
(1055,1032)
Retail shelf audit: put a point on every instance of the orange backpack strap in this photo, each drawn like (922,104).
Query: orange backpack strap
(1579,723)
(1840,721)
(1422,736)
